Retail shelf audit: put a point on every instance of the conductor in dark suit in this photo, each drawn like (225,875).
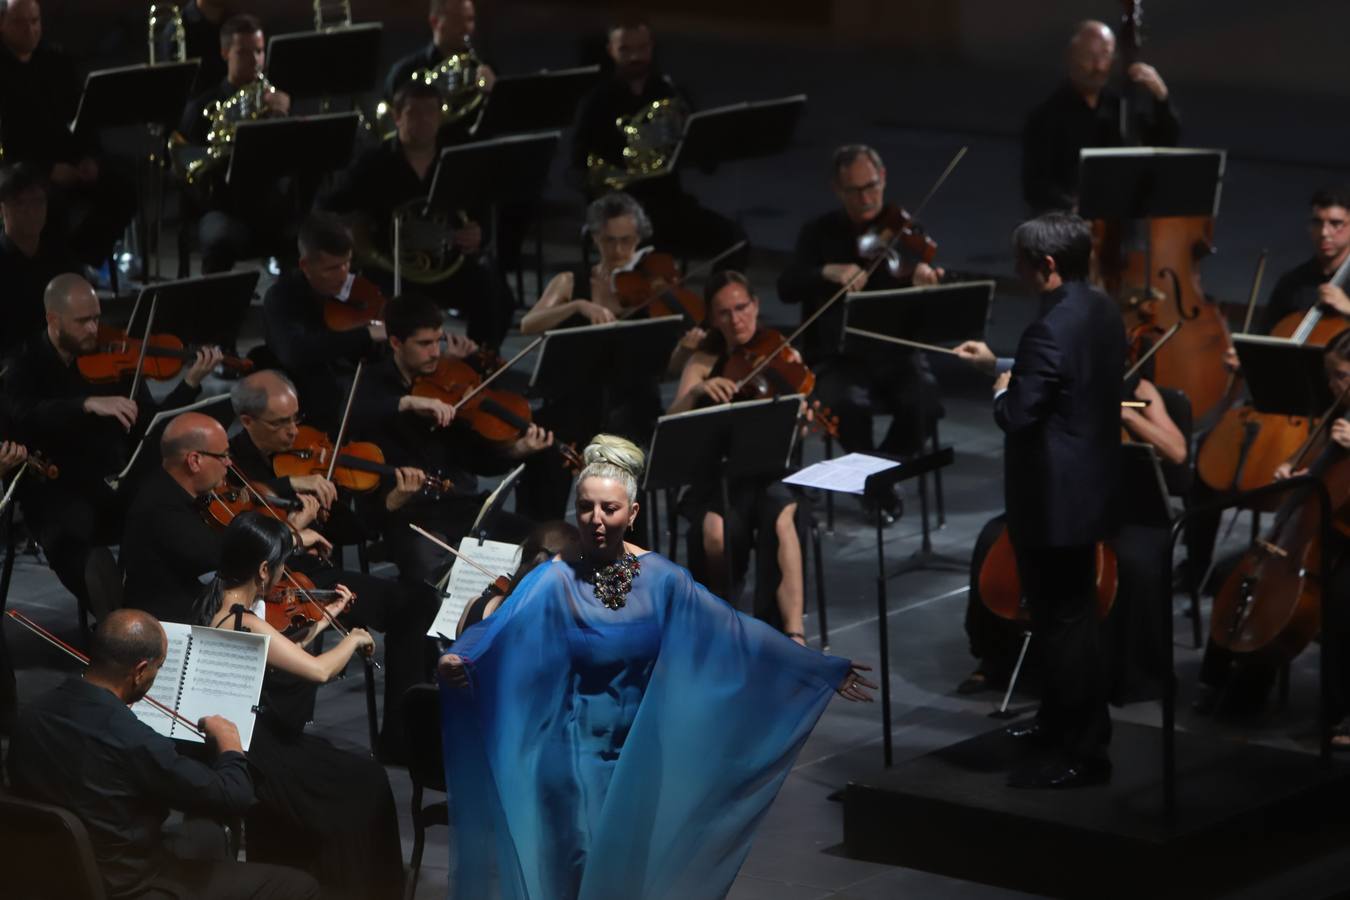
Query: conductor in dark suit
(1058,403)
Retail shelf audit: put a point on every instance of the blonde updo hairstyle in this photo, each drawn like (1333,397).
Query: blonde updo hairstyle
(610,456)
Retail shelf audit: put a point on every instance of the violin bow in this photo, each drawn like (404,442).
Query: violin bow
(9,491)
(70,651)
(1251,308)
(398,254)
(145,345)
(452,551)
(346,418)
(698,271)
(529,348)
(844,289)
(1149,353)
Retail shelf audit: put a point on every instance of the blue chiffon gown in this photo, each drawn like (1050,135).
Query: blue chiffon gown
(605,754)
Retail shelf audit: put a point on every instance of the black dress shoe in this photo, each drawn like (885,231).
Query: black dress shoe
(1062,774)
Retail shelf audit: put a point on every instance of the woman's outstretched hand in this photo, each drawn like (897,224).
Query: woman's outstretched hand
(854,687)
(452,671)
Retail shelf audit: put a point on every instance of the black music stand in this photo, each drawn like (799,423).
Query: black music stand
(538,101)
(1149,182)
(585,358)
(272,148)
(205,310)
(723,443)
(739,131)
(1283,377)
(335,63)
(492,505)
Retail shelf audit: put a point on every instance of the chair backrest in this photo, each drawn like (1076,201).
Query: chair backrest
(422,726)
(50,857)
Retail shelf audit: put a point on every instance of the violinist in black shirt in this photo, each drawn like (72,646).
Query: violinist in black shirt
(30,255)
(635,84)
(80,747)
(1085,112)
(85,428)
(39,95)
(863,377)
(446,260)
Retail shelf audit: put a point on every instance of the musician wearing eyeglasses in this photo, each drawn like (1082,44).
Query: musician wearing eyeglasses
(237,220)
(1085,111)
(862,377)
(443,252)
(39,96)
(636,88)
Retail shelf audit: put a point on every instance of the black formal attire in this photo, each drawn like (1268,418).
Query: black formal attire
(202,42)
(318,359)
(383,605)
(81,748)
(1061,420)
(237,220)
(320,807)
(681,225)
(167,550)
(864,376)
(425,59)
(25,280)
(70,514)
(1064,124)
(379,182)
(38,100)
(453,453)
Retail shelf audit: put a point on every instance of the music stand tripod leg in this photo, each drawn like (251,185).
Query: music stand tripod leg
(1002,711)
(883,638)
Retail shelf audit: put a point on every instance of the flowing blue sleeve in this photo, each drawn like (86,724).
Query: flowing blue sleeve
(728,707)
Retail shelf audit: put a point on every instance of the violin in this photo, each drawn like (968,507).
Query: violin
(41,466)
(222,505)
(359,465)
(118,354)
(1001,584)
(761,376)
(292,605)
(495,415)
(653,283)
(361,305)
(894,235)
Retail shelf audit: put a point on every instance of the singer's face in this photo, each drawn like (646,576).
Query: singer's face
(604,516)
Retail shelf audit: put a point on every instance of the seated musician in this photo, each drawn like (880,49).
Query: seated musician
(238,220)
(454,25)
(336,802)
(315,356)
(684,225)
(419,435)
(268,408)
(1298,290)
(30,255)
(86,429)
(39,96)
(866,377)
(394,178)
(202,20)
(1134,638)
(764,511)
(167,545)
(129,777)
(1084,111)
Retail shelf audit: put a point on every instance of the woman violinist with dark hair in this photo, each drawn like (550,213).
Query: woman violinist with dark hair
(319,808)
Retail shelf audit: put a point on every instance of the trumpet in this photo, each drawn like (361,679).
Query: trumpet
(650,138)
(167,39)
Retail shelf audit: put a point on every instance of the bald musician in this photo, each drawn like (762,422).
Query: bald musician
(130,777)
(1085,111)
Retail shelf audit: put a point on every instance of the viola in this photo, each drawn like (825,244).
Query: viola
(761,375)
(497,416)
(165,355)
(359,466)
(222,505)
(1001,584)
(363,304)
(292,605)
(894,234)
(653,283)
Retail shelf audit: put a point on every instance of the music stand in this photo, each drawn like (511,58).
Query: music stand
(311,145)
(487,514)
(579,359)
(1283,377)
(339,62)
(723,443)
(739,131)
(538,101)
(1149,182)
(205,310)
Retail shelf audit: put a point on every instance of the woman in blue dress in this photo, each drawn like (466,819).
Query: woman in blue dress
(614,731)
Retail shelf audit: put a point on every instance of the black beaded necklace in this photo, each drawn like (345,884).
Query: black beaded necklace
(613,581)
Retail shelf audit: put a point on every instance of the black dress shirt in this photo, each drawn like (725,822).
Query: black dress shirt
(595,131)
(194,125)
(316,357)
(1295,292)
(1063,125)
(166,549)
(24,281)
(375,185)
(256,467)
(38,99)
(81,748)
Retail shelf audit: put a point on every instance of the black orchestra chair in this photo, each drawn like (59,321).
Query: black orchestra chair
(426,768)
(48,851)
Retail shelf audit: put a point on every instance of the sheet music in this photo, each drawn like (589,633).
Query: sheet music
(846,475)
(165,688)
(467,583)
(224,678)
